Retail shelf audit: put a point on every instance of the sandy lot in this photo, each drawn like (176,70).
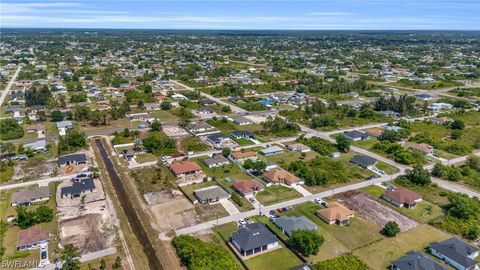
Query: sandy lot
(174,131)
(174,214)
(373,211)
(257,119)
(33,169)
(86,232)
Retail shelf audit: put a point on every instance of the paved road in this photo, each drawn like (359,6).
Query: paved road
(85,258)
(41,182)
(210,224)
(234,108)
(455,187)
(9,85)
(211,152)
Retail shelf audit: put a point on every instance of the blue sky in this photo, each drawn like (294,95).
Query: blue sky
(247,14)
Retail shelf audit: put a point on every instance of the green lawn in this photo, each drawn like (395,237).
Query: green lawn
(220,173)
(279,259)
(145,157)
(153,179)
(423,213)
(276,193)
(243,141)
(207,212)
(10,239)
(365,144)
(388,169)
(164,116)
(379,255)
(286,157)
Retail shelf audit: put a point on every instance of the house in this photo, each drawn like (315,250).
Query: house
(218,140)
(424,97)
(210,194)
(31,238)
(423,148)
(185,168)
(356,135)
(207,102)
(392,128)
(441,120)
(72,159)
(290,224)
(240,120)
(374,132)
(63,126)
(37,146)
(204,111)
(78,188)
(179,97)
(142,117)
(456,253)
(281,176)
(440,106)
(402,197)
(299,148)
(242,134)
(241,157)
(272,150)
(253,238)
(26,197)
(416,261)
(247,188)
(364,161)
(128,154)
(235,99)
(335,213)
(200,127)
(152,106)
(216,161)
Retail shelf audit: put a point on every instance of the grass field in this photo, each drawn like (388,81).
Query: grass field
(152,179)
(279,259)
(220,173)
(365,144)
(423,213)
(145,157)
(276,193)
(390,249)
(208,212)
(389,169)
(286,157)
(11,235)
(164,116)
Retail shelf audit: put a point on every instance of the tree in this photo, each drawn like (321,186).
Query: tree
(70,257)
(457,124)
(56,116)
(439,170)
(473,233)
(156,126)
(343,143)
(103,264)
(10,129)
(118,263)
(226,151)
(159,144)
(419,176)
(257,166)
(43,214)
(391,229)
(73,141)
(166,105)
(307,242)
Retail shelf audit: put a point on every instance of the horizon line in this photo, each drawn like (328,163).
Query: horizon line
(232,29)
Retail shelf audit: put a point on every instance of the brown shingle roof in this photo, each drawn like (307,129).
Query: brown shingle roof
(280,175)
(30,236)
(402,195)
(335,211)
(247,186)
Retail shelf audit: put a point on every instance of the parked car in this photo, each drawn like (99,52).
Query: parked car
(43,254)
(252,200)
(242,222)
(324,204)
(390,188)
(284,209)
(280,210)
(272,213)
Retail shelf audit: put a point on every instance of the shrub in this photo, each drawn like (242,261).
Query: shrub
(10,129)
(306,242)
(391,229)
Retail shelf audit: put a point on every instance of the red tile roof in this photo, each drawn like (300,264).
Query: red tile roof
(185,167)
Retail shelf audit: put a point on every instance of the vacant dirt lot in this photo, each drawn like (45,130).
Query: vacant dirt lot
(174,131)
(33,169)
(374,211)
(174,214)
(86,232)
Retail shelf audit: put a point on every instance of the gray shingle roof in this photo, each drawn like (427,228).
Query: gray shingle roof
(291,224)
(72,157)
(78,187)
(253,236)
(27,195)
(456,250)
(363,161)
(210,193)
(216,160)
(356,134)
(417,261)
